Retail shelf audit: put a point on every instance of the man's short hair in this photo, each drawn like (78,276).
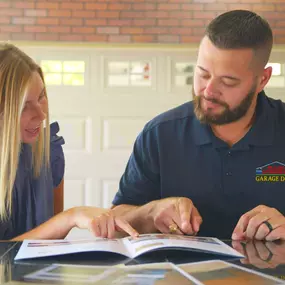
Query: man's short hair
(242,29)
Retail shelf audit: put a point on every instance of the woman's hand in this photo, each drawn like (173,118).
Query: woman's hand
(101,222)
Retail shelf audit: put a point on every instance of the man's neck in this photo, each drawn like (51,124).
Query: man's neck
(234,132)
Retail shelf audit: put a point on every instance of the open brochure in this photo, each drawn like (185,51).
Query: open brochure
(200,273)
(128,246)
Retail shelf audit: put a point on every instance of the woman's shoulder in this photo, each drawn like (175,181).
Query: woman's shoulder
(57,161)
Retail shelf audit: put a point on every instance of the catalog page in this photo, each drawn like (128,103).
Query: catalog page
(44,248)
(129,247)
(149,242)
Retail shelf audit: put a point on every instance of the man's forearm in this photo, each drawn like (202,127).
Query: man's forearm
(55,228)
(139,217)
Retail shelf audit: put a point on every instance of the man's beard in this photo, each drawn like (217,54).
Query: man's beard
(227,115)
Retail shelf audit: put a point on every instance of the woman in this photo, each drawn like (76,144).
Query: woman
(32,161)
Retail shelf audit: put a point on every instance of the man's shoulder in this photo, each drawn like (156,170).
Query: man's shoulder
(172,117)
(276,105)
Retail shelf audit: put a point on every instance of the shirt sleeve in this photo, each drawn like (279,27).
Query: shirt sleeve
(56,154)
(140,182)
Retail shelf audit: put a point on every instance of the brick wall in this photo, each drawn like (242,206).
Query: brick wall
(124,21)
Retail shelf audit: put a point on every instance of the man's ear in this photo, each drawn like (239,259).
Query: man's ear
(266,75)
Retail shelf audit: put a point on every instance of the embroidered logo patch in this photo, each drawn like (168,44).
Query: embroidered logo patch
(272,172)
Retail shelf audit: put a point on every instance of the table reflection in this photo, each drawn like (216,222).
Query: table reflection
(264,257)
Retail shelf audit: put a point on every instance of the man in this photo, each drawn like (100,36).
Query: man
(216,159)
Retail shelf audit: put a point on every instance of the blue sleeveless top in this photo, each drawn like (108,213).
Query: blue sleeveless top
(33,197)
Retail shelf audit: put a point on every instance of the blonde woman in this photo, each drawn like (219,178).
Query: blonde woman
(32,161)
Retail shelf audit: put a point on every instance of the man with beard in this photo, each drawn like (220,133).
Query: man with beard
(211,159)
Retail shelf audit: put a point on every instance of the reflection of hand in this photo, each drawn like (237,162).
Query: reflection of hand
(261,254)
(176,215)
(261,223)
(101,222)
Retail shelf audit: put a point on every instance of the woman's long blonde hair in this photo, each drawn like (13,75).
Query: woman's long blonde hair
(16,70)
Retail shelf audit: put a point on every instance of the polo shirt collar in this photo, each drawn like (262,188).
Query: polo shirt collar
(260,134)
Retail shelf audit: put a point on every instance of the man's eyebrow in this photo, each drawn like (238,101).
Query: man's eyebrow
(223,76)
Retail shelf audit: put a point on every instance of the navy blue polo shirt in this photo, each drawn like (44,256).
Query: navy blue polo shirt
(176,155)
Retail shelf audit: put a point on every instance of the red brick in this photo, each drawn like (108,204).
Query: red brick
(48,21)
(108,30)
(71,38)
(127,22)
(119,39)
(192,23)
(71,22)
(263,7)
(273,15)
(216,7)
(95,6)
(5,4)
(183,1)
(279,32)
(168,22)
(119,6)
(240,7)
(180,14)
(96,22)
(11,12)
(143,6)
(83,14)
(5,20)
(181,31)
(132,14)
(35,29)
(143,38)
(48,5)
(280,40)
(168,7)
(95,38)
(193,7)
(83,30)
(35,13)
(144,22)
(280,7)
(168,39)
(156,30)
(60,13)
(107,14)
(47,37)
(71,6)
(190,39)
(10,29)
(59,29)
(229,1)
(280,24)
(199,32)
(23,5)
(204,15)
(23,36)
(157,14)
(255,1)
(131,31)
(23,21)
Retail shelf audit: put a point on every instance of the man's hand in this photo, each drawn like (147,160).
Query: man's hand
(176,216)
(261,223)
(261,254)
